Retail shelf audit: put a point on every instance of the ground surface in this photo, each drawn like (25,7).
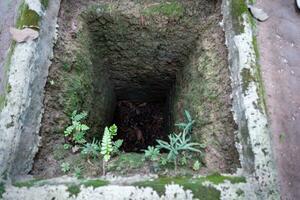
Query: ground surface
(279,41)
(8,16)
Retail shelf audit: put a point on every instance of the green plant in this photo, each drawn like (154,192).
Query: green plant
(107,145)
(77,130)
(196,165)
(152,153)
(183,160)
(186,126)
(65,167)
(91,149)
(177,144)
(67,146)
(116,146)
(163,161)
(2,189)
(77,172)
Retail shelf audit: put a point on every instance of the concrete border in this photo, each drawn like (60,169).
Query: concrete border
(248,101)
(20,118)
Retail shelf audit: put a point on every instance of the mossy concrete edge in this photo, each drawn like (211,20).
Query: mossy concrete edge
(20,117)
(132,187)
(249,111)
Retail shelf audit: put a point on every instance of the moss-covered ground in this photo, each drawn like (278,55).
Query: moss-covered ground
(170,9)
(2,190)
(194,184)
(27,17)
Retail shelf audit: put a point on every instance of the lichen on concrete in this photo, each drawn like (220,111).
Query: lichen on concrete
(253,133)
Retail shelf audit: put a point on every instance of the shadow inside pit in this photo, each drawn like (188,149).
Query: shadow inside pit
(140,124)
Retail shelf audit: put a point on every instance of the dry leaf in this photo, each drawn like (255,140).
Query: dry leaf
(23,35)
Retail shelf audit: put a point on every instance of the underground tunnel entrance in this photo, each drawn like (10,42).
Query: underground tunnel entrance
(138,64)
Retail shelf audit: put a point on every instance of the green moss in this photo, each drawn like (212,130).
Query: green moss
(95,183)
(2,101)
(45,3)
(27,17)
(282,137)
(2,190)
(240,192)
(258,75)
(9,56)
(73,190)
(170,9)
(195,185)
(238,8)
(6,70)
(28,184)
(247,78)
(127,161)
(77,85)
(216,178)
(8,88)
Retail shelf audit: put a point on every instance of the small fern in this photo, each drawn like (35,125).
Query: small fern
(116,146)
(108,147)
(77,130)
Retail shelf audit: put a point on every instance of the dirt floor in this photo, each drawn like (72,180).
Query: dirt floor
(8,16)
(279,42)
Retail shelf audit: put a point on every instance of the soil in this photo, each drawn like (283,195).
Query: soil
(279,44)
(140,121)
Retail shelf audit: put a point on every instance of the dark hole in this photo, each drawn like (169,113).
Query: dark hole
(140,123)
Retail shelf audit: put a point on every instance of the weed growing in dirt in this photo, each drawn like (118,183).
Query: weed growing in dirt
(196,165)
(65,167)
(177,147)
(178,143)
(91,149)
(186,126)
(67,146)
(76,132)
(152,153)
(77,172)
(116,147)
